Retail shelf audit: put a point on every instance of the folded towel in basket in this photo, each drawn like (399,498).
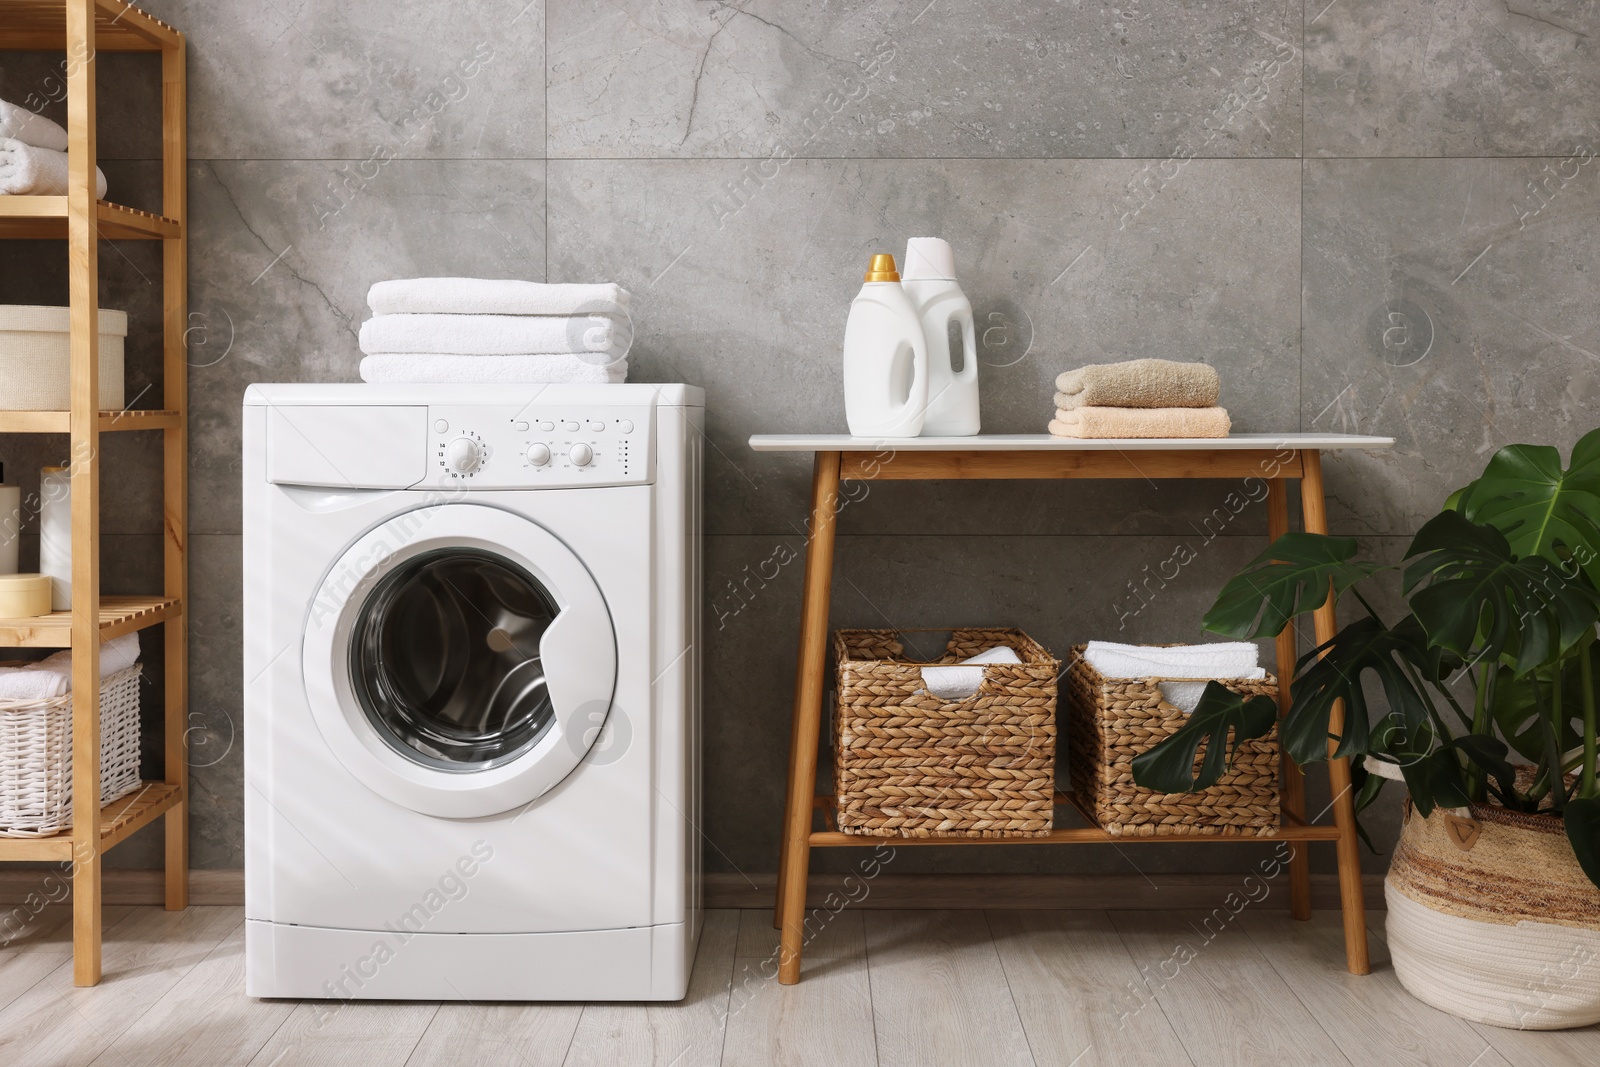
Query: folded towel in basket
(1132,423)
(494,296)
(31,128)
(494,370)
(1140,383)
(27,170)
(496,335)
(959,681)
(1198,663)
(52,676)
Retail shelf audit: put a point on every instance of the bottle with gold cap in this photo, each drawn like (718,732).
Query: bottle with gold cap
(885,358)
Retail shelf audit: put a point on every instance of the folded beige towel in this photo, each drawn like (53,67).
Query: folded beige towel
(1111,423)
(1139,383)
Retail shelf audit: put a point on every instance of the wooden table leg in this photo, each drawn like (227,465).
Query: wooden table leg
(1294,780)
(1314,510)
(795,861)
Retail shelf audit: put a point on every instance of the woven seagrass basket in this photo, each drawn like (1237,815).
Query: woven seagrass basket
(1112,720)
(36,756)
(910,764)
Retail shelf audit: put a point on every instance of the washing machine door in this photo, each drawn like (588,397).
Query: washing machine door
(459,660)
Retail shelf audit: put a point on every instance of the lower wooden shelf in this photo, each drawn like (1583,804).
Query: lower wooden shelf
(1292,830)
(119,820)
(118,615)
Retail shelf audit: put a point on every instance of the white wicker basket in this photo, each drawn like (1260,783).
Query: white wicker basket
(36,756)
(34,360)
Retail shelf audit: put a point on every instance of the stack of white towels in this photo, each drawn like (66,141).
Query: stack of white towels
(1191,665)
(33,155)
(495,331)
(52,676)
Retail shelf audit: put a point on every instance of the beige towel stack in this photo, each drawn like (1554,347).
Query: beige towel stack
(1140,398)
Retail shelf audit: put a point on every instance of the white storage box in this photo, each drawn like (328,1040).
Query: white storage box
(34,368)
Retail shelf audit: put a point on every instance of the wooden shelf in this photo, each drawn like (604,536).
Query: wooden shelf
(41,26)
(119,820)
(118,615)
(110,421)
(34,218)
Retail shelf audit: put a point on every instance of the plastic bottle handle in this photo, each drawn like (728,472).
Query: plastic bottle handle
(919,367)
(969,346)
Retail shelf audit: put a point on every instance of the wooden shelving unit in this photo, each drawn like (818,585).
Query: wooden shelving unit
(81,29)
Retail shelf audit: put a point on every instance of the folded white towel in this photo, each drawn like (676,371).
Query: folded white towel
(494,296)
(1185,696)
(496,335)
(1196,663)
(493,370)
(26,170)
(30,128)
(959,681)
(52,676)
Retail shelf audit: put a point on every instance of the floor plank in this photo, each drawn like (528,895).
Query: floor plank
(37,947)
(1078,991)
(686,1034)
(55,1024)
(362,1033)
(491,1035)
(830,936)
(1224,1001)
(205,1020)
(826,1019)
(939,993)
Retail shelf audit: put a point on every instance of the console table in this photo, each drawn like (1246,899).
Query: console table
(1274,458)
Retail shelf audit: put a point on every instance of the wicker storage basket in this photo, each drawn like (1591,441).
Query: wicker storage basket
(909,764)
(33,358)
(1112,720)
(36,756)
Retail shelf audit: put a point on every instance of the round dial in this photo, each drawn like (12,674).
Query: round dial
(538,454)
(463,455)
(580,454)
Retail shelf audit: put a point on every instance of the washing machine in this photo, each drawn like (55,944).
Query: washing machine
(471,691)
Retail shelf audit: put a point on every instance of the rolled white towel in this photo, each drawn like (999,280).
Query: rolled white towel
(494,296)
(496,335)
(26,170)
(31,128)
(494,370)
(959,681)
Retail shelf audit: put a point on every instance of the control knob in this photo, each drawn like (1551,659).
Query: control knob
(538,454)
(580,454)
(463,455)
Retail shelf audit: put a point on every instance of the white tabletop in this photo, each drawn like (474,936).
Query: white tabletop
(1043,442)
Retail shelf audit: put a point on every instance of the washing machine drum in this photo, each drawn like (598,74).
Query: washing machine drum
(460,660)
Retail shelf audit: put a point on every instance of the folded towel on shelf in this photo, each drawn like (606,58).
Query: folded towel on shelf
(1139,383)
(1113,423)
(27,170)
(52,676)
(959,681)
(494,296)
(496,335)
(31,128)
(1197,663)
(494,370)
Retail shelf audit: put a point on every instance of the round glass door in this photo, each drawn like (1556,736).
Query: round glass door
(445,660)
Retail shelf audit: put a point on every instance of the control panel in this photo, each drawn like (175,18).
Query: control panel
(531,447)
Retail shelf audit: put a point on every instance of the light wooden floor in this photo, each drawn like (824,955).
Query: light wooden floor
(918,988)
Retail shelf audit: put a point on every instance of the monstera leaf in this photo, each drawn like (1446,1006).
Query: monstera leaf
(1334,672)
(1542,509)
(1582,819)
(1169,766)
(1475,598)
(1521,708)
(1293,576)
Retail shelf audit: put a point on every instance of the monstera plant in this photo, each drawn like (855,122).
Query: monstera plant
(1488,674)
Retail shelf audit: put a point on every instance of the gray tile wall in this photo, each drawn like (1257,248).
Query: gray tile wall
(1370,216)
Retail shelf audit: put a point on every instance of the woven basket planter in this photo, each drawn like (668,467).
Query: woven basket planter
(1492,919)
(1112,720)
(36,756)
(909,764)
(34,364)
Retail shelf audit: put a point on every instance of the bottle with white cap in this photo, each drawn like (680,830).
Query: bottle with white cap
(930,281)
(885,358)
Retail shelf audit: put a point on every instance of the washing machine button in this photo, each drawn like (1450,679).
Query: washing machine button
(581,455)
(520,426)
(440,426)
(595,427)
(547,426)
(570,426)
(624,425)
(539,454)
(463,455)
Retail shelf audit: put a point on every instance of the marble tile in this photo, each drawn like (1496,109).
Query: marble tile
(1449,304)
(1415,78)
(742,285)
(642,78)
(281,259)
(216,695)
(332,79)
(128,109)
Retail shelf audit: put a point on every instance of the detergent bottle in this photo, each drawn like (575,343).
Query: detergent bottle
(885,358)
(943,309)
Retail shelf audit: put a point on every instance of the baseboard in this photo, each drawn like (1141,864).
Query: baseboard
(1023,892)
